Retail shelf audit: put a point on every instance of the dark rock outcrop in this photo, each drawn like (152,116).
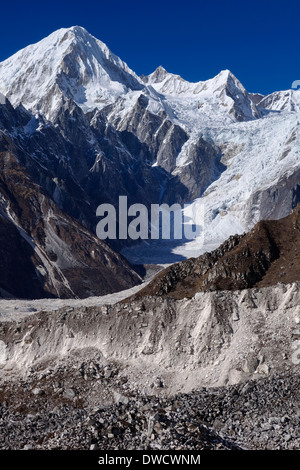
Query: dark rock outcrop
(44,252)
(268,254)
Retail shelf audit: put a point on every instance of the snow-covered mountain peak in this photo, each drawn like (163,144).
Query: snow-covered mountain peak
(170,83)
(225,78)
(222,97)
(69,63)
(158,75)
(223,83)
(288,101)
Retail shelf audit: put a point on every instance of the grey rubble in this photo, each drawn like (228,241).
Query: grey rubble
(214,371)
(262,414)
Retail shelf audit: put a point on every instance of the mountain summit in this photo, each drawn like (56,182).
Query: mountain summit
(70,63)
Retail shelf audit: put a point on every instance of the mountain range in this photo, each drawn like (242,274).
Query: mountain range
(79,128)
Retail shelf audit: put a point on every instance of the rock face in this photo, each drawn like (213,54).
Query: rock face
(44,252)
(203,167)
(81,165)
(268,253)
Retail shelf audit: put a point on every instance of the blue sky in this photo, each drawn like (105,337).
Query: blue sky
(259,41)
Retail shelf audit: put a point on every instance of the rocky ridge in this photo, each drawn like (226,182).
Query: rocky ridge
(268,253)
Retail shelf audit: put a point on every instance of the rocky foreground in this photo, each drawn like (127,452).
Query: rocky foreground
(219,371)
(67,411)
